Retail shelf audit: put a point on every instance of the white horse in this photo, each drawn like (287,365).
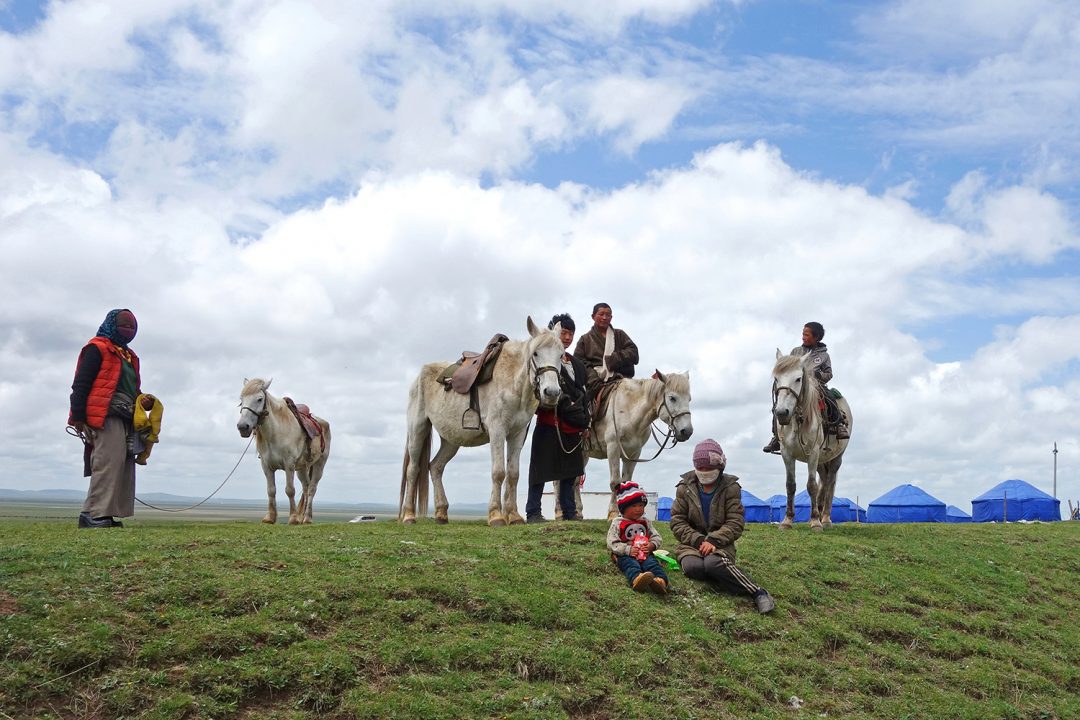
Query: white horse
(621,432)
(798,398)
(526,373)
(283,445)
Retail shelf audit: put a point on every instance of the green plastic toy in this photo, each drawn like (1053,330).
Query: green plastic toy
(666,560)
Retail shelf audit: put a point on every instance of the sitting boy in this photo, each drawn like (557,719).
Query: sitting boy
(632,540)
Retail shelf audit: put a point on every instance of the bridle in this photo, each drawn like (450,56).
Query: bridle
(798,399)
(258,415)
(538,372)
(662,443)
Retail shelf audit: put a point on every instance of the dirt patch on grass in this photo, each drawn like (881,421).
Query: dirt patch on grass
(8,606)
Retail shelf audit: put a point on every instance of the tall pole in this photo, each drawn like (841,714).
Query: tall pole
(1055,471)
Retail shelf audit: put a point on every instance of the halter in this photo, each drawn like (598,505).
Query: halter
(258,415)
(538,371)
(799,417)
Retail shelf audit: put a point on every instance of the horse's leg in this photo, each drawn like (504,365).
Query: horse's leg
(828,490)
(789,476)
(614,467)
(290,490)
(514,444)
(313,472)
(496,518)
(812,489)
(447,451)
(271,496)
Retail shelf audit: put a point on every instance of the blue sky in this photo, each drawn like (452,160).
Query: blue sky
(721,172)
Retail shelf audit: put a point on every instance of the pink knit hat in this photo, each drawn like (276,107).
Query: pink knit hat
(708,455)
(628,494)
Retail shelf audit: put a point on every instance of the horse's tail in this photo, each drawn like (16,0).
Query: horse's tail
(423,477)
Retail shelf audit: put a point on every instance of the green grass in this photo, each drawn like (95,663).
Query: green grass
(241,620)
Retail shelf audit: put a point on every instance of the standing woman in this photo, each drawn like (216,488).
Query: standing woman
(102,403)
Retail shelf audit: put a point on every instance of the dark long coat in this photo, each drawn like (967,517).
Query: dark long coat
(548,461)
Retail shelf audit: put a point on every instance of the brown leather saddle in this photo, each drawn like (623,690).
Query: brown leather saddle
(308,423)
(468,373)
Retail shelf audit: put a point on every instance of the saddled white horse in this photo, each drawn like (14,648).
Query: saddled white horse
(622,431)
(525,374)
(803,437)
(283,445)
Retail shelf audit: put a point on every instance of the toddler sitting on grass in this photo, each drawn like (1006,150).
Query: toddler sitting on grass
(632,540)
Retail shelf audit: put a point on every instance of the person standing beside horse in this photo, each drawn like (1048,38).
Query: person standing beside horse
(606,351)
(557,444)
(812,334)
(103,393)
(707,517)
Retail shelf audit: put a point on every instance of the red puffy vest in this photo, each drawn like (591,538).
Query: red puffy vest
(101,392)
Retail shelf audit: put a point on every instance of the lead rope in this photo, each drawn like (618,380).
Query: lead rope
(190,507)
(75,433)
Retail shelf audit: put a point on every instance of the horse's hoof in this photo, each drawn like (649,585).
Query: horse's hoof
(785,526)
(269,520)
(816,527)
(496,522)
(306,521)
(518,521)
(441,520)
(408,521)
(294,521)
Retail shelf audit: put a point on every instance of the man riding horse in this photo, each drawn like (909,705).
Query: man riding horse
(812,334)
(607,352)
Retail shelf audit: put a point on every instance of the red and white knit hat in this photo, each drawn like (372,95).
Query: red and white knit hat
(629,493)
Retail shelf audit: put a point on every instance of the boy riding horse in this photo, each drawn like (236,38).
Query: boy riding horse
(812,334)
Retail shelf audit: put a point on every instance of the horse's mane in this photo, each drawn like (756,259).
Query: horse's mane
(679,383)
(253,385)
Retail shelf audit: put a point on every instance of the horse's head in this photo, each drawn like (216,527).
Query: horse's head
(545,358)
(790,377)
(675,405)
(252,405)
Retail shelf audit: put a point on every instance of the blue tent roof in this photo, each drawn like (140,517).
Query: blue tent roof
(954,514)
(1023,500)
(757,510)
(906,503)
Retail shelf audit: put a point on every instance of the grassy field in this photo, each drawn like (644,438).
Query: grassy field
(375,620)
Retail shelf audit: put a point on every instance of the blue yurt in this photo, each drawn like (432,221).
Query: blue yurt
(845,510)
(778,506)
(756,509)
(663,509)
(954,514)
(1022,500)
(905,504)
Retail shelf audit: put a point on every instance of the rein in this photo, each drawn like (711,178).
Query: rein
(799,416)
(670,435)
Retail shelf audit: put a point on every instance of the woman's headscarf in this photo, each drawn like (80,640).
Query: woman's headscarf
(109,330)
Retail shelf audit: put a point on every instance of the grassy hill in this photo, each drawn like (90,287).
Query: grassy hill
(241,620)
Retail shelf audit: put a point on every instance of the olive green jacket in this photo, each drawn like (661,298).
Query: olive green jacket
(726,516)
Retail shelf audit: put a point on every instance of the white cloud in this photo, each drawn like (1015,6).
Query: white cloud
(342,304)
